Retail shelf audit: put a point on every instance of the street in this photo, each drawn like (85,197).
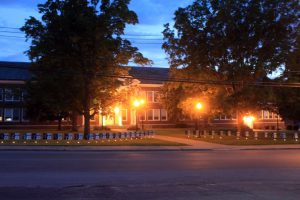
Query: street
(176,175)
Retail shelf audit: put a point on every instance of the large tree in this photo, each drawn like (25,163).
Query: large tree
(234,43)
(82,39)
(288,99)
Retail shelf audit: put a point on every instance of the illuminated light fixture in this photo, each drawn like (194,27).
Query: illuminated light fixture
(117,110)
(139,102)
(199,106)
(248,121)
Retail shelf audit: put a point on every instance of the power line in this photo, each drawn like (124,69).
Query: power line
(11,32)
(7,27)
(175,80)
(10,36)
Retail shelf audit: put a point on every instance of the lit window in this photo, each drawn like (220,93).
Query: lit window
(266,114)
(1,114)
(164,115)
(150,115)
(156,114)
(11,114)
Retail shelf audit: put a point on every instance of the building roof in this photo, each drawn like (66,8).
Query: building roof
(149,75)
(14,71)
(18,71)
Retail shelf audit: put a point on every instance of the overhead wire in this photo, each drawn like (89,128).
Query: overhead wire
(176,80)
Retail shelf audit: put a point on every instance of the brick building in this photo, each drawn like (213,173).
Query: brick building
(13,76)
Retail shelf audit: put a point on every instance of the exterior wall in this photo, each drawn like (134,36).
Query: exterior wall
(150,115)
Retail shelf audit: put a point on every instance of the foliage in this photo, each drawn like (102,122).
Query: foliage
(232,42)
(288,99)
(81,39)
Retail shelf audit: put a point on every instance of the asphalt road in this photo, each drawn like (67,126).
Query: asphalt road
(176,175)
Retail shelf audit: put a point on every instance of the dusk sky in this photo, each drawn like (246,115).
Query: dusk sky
(146,35)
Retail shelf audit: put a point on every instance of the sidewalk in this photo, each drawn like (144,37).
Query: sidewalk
(193,145)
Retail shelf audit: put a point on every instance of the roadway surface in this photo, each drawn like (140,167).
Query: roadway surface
(176,175)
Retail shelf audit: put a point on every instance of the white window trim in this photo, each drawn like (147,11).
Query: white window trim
(13,99)
(154,115)
(12,118)
(161,115)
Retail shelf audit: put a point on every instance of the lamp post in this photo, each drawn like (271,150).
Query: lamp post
(199,107)
(137,103)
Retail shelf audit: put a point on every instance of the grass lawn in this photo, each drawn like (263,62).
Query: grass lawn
(232,140)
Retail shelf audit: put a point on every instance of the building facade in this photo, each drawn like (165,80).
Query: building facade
(150,114)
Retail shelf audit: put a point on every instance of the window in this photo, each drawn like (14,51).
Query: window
(24,95)
(156,114)
(8,95)
(124,114)
(25,114)
(1,114)
(11,114)
(164,115)
(1,94)
(150,96)
(12,94)
(142,115)
(266,114)
(222,117)
(150,115)
(156,97)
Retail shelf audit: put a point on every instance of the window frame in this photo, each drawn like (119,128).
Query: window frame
(162,115)
(158,112)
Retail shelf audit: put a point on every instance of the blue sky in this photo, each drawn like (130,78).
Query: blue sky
(152,15)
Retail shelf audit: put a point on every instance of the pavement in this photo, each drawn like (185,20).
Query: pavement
(148,175)
(190,145)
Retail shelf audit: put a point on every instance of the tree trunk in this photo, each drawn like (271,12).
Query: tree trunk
(87,127)
(74,121)
(239,118)
(59,124)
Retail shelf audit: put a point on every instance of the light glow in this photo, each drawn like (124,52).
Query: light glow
(199,106)
(248,121)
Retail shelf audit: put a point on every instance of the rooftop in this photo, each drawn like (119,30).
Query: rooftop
(18,71)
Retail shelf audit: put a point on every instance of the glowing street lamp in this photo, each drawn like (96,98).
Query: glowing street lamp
(199,107)
(137,103)
(248,121)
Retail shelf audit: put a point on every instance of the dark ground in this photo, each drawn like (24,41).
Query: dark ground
(201,175)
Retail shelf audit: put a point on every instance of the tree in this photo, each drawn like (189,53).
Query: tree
(235,43)
(47,100)
(288,99)
(82,39)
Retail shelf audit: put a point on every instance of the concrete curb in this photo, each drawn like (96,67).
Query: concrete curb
(157,149)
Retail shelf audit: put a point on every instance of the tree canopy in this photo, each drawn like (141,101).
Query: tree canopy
(237,42)
(82,40)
